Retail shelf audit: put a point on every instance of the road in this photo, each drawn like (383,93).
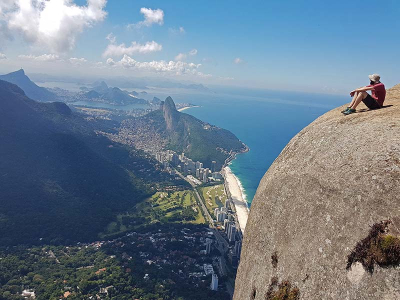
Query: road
(210,219)
(203,207)
(221,242)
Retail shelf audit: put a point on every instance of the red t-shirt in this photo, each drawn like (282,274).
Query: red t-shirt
(378,93)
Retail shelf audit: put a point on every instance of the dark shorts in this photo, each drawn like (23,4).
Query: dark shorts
(371,102)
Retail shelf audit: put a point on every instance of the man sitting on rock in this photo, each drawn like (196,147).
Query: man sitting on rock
(373,101)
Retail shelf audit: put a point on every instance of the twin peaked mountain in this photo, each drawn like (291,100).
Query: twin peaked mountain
(61,181)
(182,132)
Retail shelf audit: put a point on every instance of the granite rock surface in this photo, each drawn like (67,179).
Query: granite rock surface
(330,184)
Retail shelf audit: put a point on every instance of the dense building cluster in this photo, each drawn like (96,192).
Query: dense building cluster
(195,170)
(137,261)
(135,133)
(231,231)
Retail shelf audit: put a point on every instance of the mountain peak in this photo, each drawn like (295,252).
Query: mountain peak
(19,72)
(29,87)
(169,103)
(171,115)
(100,87)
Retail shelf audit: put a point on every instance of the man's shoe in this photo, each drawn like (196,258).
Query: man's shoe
(349,111)
(344,110)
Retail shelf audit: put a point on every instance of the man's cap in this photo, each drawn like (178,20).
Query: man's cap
(374,77)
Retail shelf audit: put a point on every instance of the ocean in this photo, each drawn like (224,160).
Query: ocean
(264,120)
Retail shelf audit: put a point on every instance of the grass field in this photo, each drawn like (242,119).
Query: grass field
(162,207)
(214,196)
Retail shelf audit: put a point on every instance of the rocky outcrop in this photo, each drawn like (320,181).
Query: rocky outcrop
(171,115)
(29,87)
(319,199)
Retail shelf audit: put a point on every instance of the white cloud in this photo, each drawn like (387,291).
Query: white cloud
(99,65)
(119,50)
(183,56)
(226,78)
(41,58)
(53,58)
(175,31)
(111,38)
(2,56)
(53,24)
(238,61)
(170,67)
(151,16)
(110,62)
(77,61)
(193,52)
(180,57)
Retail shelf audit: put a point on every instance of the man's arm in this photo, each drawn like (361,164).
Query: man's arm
(365,88)
(361,89)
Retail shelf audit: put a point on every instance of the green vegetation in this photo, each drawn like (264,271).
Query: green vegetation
(200,141)
(282,291)
(162,207)
(203,142)
(30,88)
(63,182)
(379,247)
(114,269)
(60,181)
(213,196)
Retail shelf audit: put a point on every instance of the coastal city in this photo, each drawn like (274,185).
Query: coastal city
(196,175)
(194,171)
(223,221)
(201,257)
(199,150)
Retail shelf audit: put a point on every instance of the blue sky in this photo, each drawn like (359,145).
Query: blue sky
(320,46)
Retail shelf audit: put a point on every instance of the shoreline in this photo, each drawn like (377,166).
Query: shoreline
(236,192)
(186,107)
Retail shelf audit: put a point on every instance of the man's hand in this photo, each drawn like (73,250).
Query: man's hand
(352,93)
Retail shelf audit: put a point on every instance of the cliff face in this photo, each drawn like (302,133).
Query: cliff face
(30,88)
(171,115)
(331,183)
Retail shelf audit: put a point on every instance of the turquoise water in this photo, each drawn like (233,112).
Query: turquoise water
(264,120)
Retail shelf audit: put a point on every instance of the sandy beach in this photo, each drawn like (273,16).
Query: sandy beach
(187,107)
(183,108)
(233,185)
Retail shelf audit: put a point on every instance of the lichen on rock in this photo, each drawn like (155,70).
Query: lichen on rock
(281,291)
(379,247)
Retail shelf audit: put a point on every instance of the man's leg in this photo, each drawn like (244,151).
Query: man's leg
(358,97)
(354,99)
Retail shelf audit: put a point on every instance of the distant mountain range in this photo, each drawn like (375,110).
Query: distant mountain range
(114,95)
(131,82)
(59,180)
(99,92)
(29,87)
